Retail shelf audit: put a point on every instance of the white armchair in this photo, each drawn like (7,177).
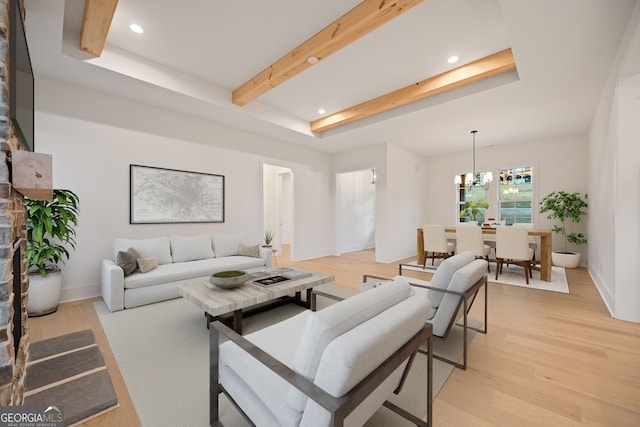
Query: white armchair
(333,367)
(453,289)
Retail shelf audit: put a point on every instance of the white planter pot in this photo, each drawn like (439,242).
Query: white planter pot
(44,293)
(565,259)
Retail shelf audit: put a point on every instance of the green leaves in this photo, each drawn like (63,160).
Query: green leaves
(50,229)
(565,206)
(472,208)
(268,237)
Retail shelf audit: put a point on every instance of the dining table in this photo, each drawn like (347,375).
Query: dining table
(545,247)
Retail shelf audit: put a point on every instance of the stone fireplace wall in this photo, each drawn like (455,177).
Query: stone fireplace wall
(12,232)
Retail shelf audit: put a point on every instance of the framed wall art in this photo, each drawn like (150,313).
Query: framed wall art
(159,196)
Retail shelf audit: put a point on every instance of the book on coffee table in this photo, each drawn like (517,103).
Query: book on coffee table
(268,281)
(296,274)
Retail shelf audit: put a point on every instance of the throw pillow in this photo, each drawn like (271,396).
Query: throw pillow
(147,264)
(127,260)
(226,244)
(249,250)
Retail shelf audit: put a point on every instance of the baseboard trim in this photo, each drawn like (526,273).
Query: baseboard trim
(605,294)
(80,292)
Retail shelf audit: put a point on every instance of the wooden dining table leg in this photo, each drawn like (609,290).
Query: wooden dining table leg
(420,247)
(545,258)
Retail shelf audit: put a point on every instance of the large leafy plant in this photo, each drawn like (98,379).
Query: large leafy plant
(565,206)
(50,229)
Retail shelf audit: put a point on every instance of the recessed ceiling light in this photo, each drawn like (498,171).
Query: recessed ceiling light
(452,59)
(312,60)
(136,28)
(322,111)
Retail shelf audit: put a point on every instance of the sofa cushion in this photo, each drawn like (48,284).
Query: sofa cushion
(127,260)
(226,244)
(279,341)
(264,414)
(443,274)
(190,269)
(191,248)
(325,325)
(158,247)
(249,250)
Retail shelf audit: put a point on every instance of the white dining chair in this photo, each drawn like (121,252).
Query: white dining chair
(532,240)
(469,239)
(436,243)
(512,246)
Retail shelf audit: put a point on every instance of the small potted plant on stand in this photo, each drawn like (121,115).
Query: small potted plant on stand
(268,238)
(565,206)
(50,229)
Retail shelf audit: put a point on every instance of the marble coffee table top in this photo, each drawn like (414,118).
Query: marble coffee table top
(217,301)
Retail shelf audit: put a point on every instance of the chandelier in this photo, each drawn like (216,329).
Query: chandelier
(472,179)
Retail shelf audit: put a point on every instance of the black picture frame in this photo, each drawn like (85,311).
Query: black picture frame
(170,196)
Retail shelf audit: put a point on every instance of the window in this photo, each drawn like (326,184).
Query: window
(467,193)
(515,195)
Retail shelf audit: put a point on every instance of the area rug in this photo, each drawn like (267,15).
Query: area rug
(513,275)
(68,372)
(162,351)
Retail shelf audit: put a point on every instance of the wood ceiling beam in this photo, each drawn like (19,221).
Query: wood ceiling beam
(362,19)
(96,21)
(491,65)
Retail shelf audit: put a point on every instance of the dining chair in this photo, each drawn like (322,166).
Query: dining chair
(532,240)
(469,239)
(512,246)
(436,243)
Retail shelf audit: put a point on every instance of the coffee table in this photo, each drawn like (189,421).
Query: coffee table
(247,299)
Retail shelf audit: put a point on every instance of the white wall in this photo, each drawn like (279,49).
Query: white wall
(614,182)
(627,267)
(400,176)
(94,137)
(602,209)
(400,205)
(559,164)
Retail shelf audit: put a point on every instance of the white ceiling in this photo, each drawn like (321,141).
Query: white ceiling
(195,52)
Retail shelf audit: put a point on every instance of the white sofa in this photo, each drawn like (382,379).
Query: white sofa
(180,259)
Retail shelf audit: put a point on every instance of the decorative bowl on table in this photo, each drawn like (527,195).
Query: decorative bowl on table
(229,279)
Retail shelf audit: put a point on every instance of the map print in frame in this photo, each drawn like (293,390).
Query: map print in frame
(163,196)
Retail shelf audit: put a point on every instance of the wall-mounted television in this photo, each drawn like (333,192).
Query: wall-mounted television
(21,82)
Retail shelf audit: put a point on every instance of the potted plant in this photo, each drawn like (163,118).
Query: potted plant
(268,238)
(472,209)
(563,206)
(50,230)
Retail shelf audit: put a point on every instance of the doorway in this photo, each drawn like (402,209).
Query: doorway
(277,193)
(355,210)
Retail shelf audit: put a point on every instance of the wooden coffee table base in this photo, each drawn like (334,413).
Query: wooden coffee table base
(234,320)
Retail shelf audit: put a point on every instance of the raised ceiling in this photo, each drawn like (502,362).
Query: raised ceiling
(194,53)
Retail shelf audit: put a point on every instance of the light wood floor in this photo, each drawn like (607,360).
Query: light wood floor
(548,359)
